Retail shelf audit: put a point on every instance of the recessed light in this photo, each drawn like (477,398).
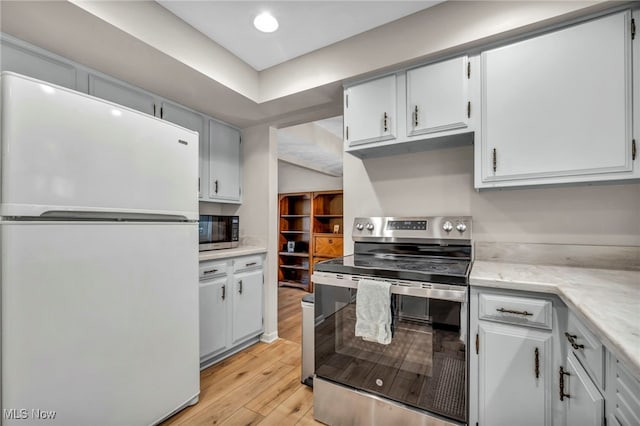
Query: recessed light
(265,22)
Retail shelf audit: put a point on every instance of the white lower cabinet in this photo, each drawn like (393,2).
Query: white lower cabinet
(514,373)
(213,317)
(231,300)
(536,363)
(583,401)
(622,395)
(247,305)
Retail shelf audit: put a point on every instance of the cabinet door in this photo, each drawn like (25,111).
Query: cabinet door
(213,316)
(514,375)
(32,64)
(585,404)
(192,121)
(437,97)
(558,106)
(247,305)
(224,163)
(122,95)
(370,111)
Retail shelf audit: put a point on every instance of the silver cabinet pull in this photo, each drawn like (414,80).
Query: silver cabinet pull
(537,363)
(415,116)
(240,288)
(215,183)
(210,271)
(509,311)
(250,264)
(572,339)
(224,291)
(386,120)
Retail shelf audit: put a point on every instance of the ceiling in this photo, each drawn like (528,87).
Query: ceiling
(305,26)
(316,146)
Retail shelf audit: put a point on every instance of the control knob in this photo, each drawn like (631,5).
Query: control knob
(461,227)
(370,226)
(447,226)
(359,226)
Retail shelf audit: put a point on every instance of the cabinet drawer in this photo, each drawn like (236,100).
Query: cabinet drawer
(516,310)
(212,269)
(249,262)
(626,394)
(327,246)
(586,347)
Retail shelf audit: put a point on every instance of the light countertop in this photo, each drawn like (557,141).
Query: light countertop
(234,252)
(608,301)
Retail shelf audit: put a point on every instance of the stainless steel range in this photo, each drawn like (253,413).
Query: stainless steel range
(421,376)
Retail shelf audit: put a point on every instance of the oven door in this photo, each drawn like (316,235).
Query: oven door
(424,366)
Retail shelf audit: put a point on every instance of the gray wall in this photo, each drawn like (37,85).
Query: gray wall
(440,182)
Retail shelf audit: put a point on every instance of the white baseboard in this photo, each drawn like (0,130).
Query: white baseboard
(269,337)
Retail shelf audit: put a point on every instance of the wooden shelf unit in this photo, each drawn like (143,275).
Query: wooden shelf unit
(328,226)
(309,219)
(294,268)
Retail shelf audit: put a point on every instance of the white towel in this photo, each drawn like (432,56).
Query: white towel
(373,311)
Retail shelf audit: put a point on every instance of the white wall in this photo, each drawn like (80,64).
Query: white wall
(292,178)
(258,212)
(440,182)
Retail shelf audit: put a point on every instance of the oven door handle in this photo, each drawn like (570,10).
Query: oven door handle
(429,291)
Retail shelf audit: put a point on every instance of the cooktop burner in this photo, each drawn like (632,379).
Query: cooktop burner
(446,271)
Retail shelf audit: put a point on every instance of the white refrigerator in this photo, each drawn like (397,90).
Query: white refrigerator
(99,260)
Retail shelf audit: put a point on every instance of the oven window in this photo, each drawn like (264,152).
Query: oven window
(424,365)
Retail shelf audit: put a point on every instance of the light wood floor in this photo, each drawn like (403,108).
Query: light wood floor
(260,385)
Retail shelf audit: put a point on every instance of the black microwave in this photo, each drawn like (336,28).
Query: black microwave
(218,232)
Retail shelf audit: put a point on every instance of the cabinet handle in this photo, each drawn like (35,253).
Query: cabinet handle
(210,271)
(198,185)
(562,394)
(240,290)
(509,311)
(161,112)
(224,291)
(415,116)
(250,264)
(154,110)
(386,125)
(537,363)
(495,160)
(215,183)
(572,339)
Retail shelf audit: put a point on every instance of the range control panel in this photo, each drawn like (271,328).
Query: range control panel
(407,228)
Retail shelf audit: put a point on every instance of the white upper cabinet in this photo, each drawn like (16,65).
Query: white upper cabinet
(370,111)
(224,163)
(123,95)
(437,97)
(192,121)
(430,106)
(15,58)
(556,108)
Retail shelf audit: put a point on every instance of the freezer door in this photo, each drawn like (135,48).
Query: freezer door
(99,321)
(64,151)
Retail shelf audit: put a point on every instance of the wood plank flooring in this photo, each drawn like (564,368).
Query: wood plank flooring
(260,385)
